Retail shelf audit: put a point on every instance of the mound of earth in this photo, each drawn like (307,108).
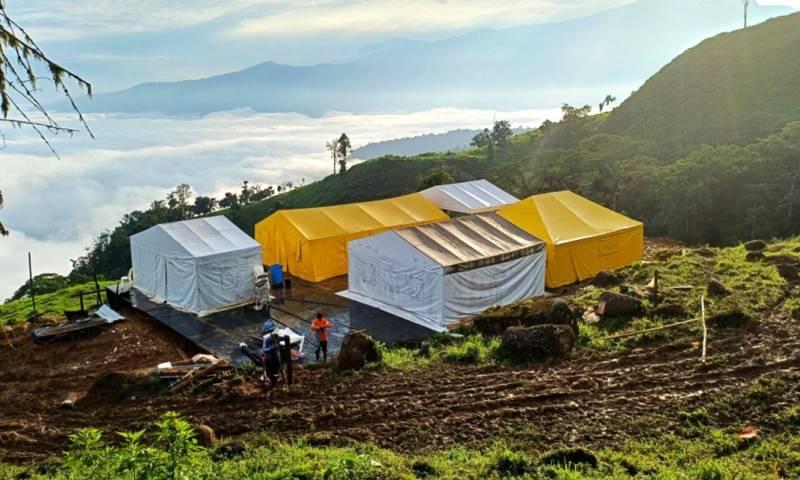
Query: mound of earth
(539,311)
(539,342)
(357,350)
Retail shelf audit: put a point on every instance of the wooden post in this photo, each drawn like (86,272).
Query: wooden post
(30,286)
(705,329)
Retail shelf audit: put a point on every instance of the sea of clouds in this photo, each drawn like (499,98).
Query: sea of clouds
(54,207)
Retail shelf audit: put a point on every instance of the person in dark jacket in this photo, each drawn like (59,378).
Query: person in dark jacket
(271,359)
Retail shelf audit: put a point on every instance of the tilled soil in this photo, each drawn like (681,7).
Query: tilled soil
(592,399)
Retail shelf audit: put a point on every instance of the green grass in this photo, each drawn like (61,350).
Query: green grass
(48,304)
(473,349)
(167,450)
(756,287)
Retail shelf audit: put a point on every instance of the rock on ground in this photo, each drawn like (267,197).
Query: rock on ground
(538,342)
(205,435)
(733,318)
(540,311)
(569,456)
(755,245)
(789,272)
(607,279)
(357,350)
(717,289)
(618,305)
(754,256)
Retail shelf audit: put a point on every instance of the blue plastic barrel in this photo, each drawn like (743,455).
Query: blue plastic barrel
(276,273)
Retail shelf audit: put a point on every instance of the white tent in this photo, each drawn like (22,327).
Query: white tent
(469,197)
(200,266)
(439,274)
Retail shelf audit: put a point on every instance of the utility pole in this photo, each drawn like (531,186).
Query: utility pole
(746,5)
(30,286)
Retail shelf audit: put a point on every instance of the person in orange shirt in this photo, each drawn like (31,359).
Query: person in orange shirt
(320,327)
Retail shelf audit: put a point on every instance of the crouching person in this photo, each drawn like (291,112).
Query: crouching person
(271,358)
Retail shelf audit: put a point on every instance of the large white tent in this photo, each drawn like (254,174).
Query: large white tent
(200,266)
(439,274)
(469,197)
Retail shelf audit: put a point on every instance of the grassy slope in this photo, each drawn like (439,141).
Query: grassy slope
(372,180)
(48,304)
(732,88)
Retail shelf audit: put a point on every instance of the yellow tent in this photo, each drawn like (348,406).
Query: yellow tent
(311,243)
(582,237)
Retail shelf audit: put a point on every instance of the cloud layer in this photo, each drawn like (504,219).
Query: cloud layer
(55,206)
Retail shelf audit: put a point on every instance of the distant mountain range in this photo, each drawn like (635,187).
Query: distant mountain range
(575,61)
(452,141)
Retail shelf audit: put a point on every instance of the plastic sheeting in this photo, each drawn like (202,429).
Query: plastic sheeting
(582,237)
(437,275)
(469,197)
(200,266)
(311,243)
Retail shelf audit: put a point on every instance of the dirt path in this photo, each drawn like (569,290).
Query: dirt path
(590,399)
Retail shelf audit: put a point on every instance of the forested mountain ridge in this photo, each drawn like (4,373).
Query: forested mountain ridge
(745,185)
(717,91)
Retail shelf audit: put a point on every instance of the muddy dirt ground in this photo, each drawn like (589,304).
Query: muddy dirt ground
(593,399)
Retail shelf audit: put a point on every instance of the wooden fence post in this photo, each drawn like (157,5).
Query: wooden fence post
(705,329)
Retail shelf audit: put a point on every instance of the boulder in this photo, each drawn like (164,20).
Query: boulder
(717,289)
(538,342)
(357,350)
(605,279)
(789,272)
(539,311)
(754,256)
(730,318)
(618,305)
(706,252)
(569,456)
(669,310)
(205,435)
(781,259)
(229,451)
(755,245)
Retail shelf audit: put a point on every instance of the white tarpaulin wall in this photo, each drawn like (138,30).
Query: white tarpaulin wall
(469,197)
(439,274)
(200,266)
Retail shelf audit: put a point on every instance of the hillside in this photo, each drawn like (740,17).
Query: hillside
(452,141)
(584,59)
(732,88)
(744,187)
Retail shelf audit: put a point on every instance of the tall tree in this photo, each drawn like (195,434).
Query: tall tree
(22,65)
(573,113)
(333,147)
(607,102)
(178,199)
(3,230)
(344,148)
(482,138)
(204,205)
(502,133)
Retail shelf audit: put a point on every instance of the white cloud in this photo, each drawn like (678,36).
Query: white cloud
(55,206)
(410,16)
(70,19)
